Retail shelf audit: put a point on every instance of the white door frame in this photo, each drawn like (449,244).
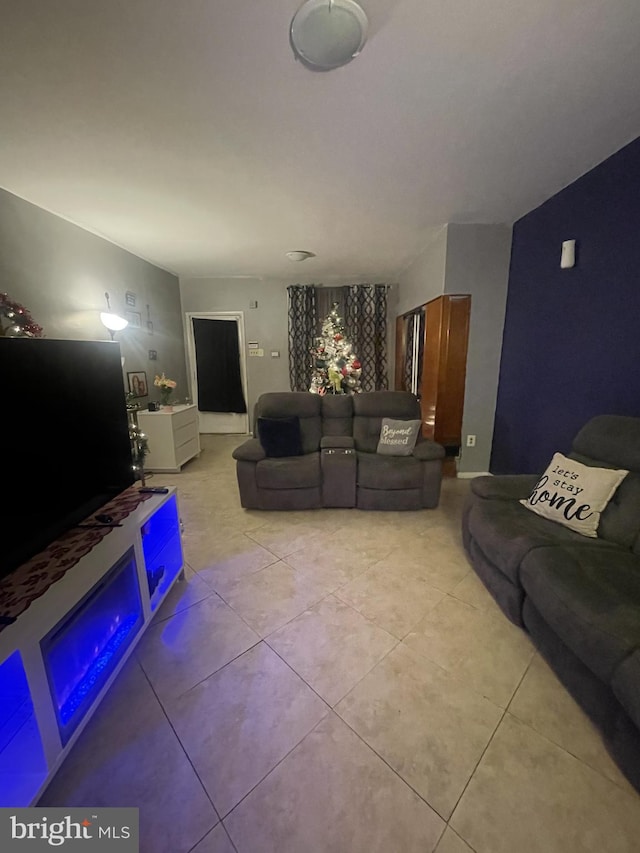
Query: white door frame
(218,422)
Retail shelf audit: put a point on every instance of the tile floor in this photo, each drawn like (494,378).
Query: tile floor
(339,681)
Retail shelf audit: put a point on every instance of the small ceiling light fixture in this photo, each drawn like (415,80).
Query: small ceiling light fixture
(113,322)
(299,255)
(326,34)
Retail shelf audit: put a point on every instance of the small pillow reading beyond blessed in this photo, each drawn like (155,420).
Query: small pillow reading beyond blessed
(280,436)
(574,494)
(397,438)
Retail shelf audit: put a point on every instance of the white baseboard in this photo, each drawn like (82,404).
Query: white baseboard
(469,475)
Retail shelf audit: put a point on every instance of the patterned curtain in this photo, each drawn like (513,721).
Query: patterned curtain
(302,333)
(326,298)
(365,321)
(408,362)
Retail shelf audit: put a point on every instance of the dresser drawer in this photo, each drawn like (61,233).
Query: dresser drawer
(173,437)
(185,433)
(188,416)
(187,450)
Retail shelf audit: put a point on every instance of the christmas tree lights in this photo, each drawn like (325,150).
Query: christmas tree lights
(21,323)
(336,369)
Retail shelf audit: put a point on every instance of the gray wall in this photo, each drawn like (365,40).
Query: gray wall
(424,278)
(60,273)
(469,259)
(478,264)
(267,324)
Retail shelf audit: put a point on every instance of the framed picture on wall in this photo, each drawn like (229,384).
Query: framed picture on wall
(134,319)
(138,383)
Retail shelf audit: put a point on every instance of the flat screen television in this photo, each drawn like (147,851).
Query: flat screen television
(65,439)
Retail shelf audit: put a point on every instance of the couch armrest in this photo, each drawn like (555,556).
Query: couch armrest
(341,441)
(426,450)
(506,487)
(249,451)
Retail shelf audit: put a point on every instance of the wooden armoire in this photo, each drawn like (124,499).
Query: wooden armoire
(431,361)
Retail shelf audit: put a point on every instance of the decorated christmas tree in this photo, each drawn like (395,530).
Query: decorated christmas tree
(336,370)
(21,323)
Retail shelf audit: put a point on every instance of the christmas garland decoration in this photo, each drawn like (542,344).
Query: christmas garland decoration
(21,323)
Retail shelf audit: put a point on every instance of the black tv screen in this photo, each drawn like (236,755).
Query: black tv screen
(66,449)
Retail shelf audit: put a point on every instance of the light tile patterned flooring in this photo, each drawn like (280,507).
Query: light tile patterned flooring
(338,681)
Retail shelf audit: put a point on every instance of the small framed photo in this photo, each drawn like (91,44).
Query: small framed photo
(153,355)
(134,319)
(130,298)
(138,383)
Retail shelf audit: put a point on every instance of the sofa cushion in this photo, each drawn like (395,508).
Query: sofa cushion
(626,685)
(371,407)
(397,437)
(620,520)
(302,404)
(337,414)
(294,472)
(505,532)
(574,495)
(590,597)
(280,436)
(249,451)
(614,441)
(427,450)
(507,487)
(389,472)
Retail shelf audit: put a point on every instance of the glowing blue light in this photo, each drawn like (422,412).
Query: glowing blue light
(96,671)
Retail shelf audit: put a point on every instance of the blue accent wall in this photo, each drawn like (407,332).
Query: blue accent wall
(571,344)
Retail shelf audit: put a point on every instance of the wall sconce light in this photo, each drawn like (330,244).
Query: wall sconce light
(568,255)
(113,322)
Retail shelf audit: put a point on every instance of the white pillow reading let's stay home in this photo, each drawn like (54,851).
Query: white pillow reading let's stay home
(574,494)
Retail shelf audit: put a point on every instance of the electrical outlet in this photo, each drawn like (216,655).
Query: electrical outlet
(471,441)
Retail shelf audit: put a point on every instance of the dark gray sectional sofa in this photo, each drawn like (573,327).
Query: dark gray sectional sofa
(339,465)
(577,597)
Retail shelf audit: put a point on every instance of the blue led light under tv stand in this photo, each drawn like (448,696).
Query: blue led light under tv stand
(61,655)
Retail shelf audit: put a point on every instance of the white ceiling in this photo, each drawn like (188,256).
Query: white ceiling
(186,132)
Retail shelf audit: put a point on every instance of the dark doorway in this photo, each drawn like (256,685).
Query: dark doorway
(218,370)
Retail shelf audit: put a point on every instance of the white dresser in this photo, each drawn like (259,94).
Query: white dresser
(173,437)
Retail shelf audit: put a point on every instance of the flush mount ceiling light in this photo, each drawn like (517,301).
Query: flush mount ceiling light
(326,34)
(299,255)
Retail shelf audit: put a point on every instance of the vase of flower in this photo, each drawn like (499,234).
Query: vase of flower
(166,387)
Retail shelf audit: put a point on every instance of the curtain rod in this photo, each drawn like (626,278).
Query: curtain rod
(360,284)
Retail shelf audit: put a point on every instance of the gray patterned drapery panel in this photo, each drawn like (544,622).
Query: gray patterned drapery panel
(363,309)
(302,333)
(365,322)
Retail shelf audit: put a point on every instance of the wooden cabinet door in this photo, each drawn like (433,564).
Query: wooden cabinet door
(444,369)
(444,366)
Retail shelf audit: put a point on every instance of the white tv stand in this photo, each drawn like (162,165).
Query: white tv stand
(44,702)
